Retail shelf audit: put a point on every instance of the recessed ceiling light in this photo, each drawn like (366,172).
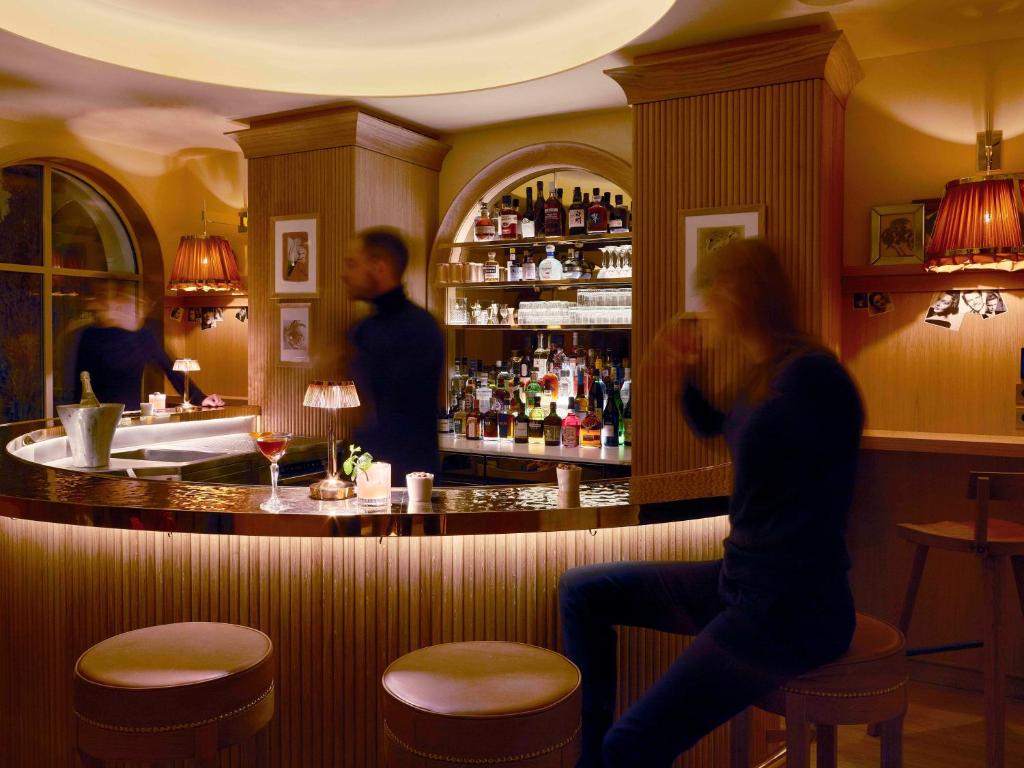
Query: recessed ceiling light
(340,48)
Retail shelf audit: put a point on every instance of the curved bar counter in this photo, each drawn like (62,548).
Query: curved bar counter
(84,556)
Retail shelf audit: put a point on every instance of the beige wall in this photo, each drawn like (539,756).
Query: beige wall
(611,130)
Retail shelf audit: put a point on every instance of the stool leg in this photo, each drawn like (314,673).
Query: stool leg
(828,747)
(1018,575)
(892,743)
(739,739)
(798,733)
(995,682)
(910,596)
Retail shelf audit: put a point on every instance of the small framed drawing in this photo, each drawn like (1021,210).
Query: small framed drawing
(293,334)
(897,234)
(705,230)
(295,255)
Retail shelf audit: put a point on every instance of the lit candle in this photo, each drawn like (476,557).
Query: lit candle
(158,400)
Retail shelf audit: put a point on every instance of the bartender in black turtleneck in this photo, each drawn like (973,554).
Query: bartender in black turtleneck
(398,358)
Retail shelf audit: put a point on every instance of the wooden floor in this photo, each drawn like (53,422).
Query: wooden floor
(944,729)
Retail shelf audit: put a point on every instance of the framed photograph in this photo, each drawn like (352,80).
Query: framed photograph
(705,230)
(295,255)
(293,334)
(897,234)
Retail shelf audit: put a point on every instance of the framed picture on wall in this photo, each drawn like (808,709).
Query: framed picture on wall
(293,334)
(295,255)
(704,231)
(897,234)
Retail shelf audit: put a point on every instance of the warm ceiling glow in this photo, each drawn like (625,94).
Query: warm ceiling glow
(344,48)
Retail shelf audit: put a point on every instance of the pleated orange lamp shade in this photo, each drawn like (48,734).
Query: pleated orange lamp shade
(978,225)
(204,263)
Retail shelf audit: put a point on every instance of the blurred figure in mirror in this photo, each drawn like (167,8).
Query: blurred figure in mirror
(778,603)
(398,357)
(116,349)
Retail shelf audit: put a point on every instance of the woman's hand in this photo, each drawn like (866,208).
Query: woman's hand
(674,350)
(213,401)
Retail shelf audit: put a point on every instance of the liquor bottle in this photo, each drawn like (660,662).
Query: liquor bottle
(514,269)
(472,421)
(577,214)
(597,393)
(444,423)
(606,201)
(571,427)
(483,225)
(538,210)
(597,216)
(610,427)
(522,427)
(535,429)
(89,398)
(490,423)
(508,221)
(550,268)
(553,215)
(492,270)
(627,423)
(459,423)
(620,410)
(562,211)
(540,358)
(503,381)
(552,427)
(529,268)
(619,221)
(627,382)
(590,430)
(572,270)
(527,225)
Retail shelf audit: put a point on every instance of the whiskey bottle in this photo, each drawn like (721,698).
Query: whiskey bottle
(552,427)
(529,269)
(522,427)
(444,422)
(590,430)
(577,214)
(527,228)
(571,426)
(492,270)
(505,421)
(508,220)
(619,221)
(572,269)
(472,421)
(459,421)
(550,268)
(553,215)
(515,269)
(483,225)
(597,216)
(538,210)
(535,429)
(490,422)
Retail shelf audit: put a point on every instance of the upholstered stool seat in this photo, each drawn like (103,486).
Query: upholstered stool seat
(175,691)
(481,703)
(868,684)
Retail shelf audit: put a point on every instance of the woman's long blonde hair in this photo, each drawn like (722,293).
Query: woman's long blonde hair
(750,272)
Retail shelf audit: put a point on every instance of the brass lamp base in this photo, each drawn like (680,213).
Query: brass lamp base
(332,489)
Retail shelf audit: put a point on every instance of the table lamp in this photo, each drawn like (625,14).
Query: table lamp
(331,396)
(186,365)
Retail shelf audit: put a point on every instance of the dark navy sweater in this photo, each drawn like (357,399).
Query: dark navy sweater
(399,356)
(794,458)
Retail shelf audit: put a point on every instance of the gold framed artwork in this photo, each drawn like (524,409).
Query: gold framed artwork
(897,234)
(704,231)
(295,255)
(293,334)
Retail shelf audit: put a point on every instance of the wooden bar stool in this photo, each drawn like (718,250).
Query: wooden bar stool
(481,703)
(994,542)
(868,684)
(174,692)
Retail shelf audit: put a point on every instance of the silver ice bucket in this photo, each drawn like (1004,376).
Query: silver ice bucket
(90,431)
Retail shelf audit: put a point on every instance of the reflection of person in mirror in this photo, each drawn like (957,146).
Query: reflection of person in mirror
(296,252)
(942,310)
(974,301)
(993,304)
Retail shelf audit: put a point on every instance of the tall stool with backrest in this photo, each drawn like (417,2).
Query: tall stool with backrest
(994,542)
(175,692)
(481,703)
(868,684)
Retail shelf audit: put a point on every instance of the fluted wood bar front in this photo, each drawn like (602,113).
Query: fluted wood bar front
(339,608)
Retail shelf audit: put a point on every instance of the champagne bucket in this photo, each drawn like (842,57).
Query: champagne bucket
(90,431)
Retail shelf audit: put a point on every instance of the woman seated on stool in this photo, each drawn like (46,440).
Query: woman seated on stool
(778,604)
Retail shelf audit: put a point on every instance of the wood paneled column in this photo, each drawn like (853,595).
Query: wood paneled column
(756,121)
(352,170)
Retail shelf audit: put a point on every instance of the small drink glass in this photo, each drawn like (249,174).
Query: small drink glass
(373,487)
(273,446)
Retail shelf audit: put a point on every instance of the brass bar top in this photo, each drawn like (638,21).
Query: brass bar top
(34,490)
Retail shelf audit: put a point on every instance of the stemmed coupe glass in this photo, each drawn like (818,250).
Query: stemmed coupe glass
(273,446)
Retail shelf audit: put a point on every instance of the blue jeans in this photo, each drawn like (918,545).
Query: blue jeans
(738,654)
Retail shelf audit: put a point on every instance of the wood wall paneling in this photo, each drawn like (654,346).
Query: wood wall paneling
(222,352)
(337,610)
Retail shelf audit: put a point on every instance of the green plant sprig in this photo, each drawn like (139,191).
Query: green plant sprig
(357,461)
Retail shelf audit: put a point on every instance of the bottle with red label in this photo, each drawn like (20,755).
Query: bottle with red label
(553,215)
(508,219)
(483,225)
(597,215)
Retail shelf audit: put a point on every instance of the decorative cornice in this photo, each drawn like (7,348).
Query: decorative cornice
(749,62)
(345,126)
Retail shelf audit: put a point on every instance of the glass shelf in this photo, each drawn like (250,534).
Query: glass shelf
(455,327)
(540,285)
(618,237)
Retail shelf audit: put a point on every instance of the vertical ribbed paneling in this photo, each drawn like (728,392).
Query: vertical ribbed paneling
(338,611)
(779,146)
